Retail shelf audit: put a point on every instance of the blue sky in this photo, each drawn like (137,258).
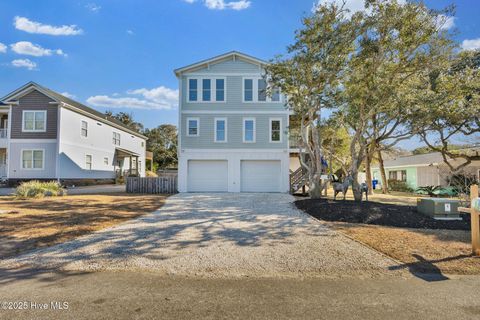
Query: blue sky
(119,55)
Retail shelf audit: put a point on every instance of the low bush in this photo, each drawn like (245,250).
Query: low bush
(150,174)
(395,185)
(39,189)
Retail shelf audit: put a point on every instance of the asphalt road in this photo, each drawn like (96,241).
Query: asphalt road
(131,295)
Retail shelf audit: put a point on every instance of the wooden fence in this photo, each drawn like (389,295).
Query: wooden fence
(152,185)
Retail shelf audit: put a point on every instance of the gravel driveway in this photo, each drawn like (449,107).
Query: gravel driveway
(218,235)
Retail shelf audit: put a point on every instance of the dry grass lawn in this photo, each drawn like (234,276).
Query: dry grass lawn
(422,250)
(36,223)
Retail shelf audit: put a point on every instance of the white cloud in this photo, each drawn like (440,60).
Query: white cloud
(471,44)
(93,7)
(3,48)
(24,63)
(30,49)
(160,98)
(352,5)
(24,24)
(222,4)
(130,32)
(69,95)
(445,22)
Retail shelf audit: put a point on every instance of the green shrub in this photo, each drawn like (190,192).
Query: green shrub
(395,185)
(39,189)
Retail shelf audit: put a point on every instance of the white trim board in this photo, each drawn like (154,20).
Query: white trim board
(246,112)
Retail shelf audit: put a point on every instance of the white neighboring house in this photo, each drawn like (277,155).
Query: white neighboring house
(45,135)
(233,137)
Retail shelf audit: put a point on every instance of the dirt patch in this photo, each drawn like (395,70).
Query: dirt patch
(35,223)
(421,250)
(376,213)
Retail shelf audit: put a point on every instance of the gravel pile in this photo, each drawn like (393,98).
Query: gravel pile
(221,236)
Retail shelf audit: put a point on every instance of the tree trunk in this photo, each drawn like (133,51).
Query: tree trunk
(382,172)
(357,191)
(368,162)
(315,188)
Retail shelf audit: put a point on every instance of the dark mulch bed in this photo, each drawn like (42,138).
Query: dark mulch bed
(377,214)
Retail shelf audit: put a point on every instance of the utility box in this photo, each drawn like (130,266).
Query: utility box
(441,209)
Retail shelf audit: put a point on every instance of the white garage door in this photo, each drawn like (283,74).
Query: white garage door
(207,176)
(260,176)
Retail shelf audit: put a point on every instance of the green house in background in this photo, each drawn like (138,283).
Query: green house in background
(421,170)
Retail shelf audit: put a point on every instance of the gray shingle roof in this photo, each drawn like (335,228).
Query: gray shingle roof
(57,96)
(419,159)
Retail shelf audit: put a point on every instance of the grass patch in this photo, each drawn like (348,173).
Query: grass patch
(33,223)
(421,250)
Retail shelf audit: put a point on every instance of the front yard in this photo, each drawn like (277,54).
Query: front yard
(35,223)
(391,225)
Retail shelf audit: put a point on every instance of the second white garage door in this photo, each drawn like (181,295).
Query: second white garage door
(260,176)
(207,176)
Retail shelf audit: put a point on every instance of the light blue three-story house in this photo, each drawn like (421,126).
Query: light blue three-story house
(232,135)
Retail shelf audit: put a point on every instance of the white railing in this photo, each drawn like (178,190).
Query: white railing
(3,171)
(3,133)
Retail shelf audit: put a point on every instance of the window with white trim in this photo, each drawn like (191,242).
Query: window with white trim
(220,130)
(275,130)
(262,90)
(32,159)
(248,89)
(192,89)
(116,138)
(34,121)
(105,161)
(84,129)
(249,130)
(193,127)
(206,90)
(255,89)
(219,90)
(88,162)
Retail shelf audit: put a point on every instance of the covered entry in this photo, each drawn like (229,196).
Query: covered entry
(207,176)
(261,175)
(126,163)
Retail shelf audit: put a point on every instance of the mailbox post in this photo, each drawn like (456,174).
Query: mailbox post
(474,211)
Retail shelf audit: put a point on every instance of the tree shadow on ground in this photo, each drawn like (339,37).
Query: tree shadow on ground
(426,269)
(182,226)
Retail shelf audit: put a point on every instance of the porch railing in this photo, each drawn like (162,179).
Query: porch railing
(3,133)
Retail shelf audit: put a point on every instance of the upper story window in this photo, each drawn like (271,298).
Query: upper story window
(116,138)
(206,89)
(275,130)
(255,90)
(220,130)
(34,121)
(220,89)
(192,90)
(32,159)
(84,129)
(248,90)
(249,130)
(193,125)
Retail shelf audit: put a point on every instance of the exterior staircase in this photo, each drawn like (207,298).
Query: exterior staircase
(298,180)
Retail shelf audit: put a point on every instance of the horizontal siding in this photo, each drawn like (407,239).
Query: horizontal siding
(234,132)
(34,100)
(229,65)
(15,164)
